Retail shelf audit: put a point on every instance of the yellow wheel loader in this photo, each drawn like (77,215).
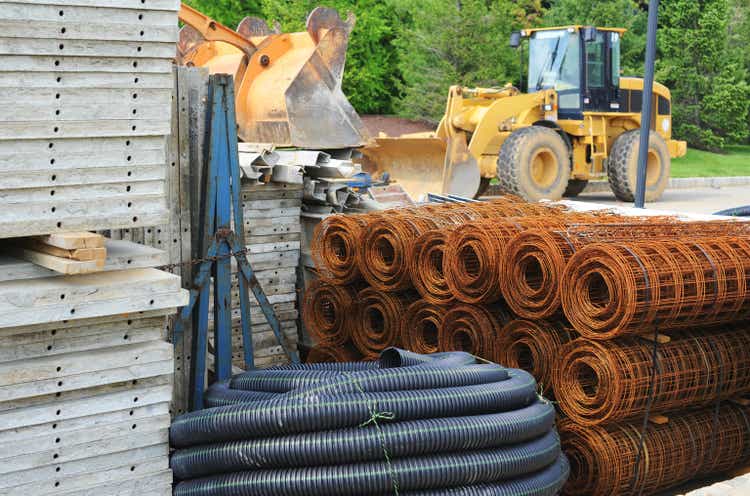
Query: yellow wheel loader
(578,121)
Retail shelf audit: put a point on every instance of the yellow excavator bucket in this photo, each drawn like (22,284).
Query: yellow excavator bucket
(287,85)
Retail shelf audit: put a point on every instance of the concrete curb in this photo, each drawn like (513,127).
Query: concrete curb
(682,183)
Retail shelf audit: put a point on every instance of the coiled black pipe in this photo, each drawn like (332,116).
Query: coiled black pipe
(736,212)
(410,423)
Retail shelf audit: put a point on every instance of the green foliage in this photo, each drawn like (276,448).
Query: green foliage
(444,42)
(370,79)
(227,12)
(709,87)
(405,54)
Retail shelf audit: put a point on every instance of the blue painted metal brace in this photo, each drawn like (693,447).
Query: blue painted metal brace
(221,209)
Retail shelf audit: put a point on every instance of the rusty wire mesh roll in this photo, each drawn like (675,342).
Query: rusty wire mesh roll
(386,246)
(327,311)
(327,353)
(377,320)
(334,247)
(534,346)
(474,252)
(426,267)
(531,271)
(535,259)
(600,382)
(603,459)
(473,329)
(621,288)
(421,327)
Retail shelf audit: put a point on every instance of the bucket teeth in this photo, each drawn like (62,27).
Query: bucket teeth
(254,26)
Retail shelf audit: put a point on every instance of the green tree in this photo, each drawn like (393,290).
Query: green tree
(227,12)
(445,42)
(371,76)
(614,13)
(709,86)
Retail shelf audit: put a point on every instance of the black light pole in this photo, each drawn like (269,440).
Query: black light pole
(648,90)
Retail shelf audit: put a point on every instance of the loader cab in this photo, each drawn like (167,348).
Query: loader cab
(581,63)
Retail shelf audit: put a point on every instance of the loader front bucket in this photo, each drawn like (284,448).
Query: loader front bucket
(287,85)
(416,163)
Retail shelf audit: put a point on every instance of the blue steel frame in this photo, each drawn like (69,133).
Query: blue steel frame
(220,209)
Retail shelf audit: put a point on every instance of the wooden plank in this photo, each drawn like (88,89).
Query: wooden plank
(169,5)
(104,80)
(252,204)
(121,255)
(91,450)
(80,254)
(57,264)
(271,213)
(105,469)
(76,14)
(78,430)
(67,30)
(82,129)
(66,65)
(74,240)
(72,112)
(86,403)
(86,48)
(152,485)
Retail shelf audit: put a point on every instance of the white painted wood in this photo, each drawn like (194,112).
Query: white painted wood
(66,30)
(59,97)
(68,112)
(86,48)
(101,80)
(251,204)
(45,63)
(273,213)
(79,452)
(106,473)
(24,11)
(82,129)
(169,5)
(152,485)
(88,403)
(82,177)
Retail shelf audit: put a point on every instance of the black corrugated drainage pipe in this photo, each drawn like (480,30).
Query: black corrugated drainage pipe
(408,425)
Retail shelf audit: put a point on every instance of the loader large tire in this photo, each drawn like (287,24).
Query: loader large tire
(622,166)
(534,163)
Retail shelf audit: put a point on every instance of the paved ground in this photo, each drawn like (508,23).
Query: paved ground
(699,200)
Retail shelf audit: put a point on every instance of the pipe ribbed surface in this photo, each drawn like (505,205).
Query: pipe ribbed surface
(416,424)
(377,319)
(473,329)
(327,311)
(604,459)
(624,288)
(421,327)
(599,382)
(534,346)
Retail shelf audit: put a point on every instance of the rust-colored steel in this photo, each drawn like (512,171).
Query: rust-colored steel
(334,247)
(474,253)
(534,260)
(599,382)
(386,247)
(377,320)
(535,347)
(604,460)
(326,353)
(473,329)
(327,311)
(421,327)
(624,288)
(426,267)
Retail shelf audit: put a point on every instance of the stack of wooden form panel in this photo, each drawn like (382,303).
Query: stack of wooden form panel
(86,377)
(86,91)
(272,233)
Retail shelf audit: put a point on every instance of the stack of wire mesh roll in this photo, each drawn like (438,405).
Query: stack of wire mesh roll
(624,320)
(409,424)
(371,277)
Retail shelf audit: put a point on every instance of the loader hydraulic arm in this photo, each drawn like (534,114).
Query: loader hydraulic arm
(214,31)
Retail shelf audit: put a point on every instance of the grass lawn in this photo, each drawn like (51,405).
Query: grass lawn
(697,163)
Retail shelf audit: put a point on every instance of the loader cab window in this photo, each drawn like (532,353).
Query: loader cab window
(554,63)
(614,50)
(595,62)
